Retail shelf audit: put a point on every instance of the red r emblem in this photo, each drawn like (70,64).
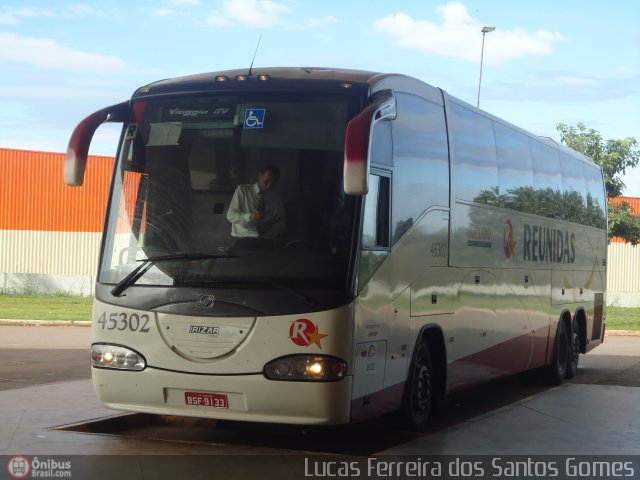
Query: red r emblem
(509,241)
(303,333)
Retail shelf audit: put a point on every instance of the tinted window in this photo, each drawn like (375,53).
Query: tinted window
(184,187)
(547,180)
(546,167)
(573,188)
(421,157)
(375,229)
(595,196)
(532,176)
(381,144)
(515,170)
(476,165)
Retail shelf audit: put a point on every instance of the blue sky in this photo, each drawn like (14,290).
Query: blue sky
(547,61)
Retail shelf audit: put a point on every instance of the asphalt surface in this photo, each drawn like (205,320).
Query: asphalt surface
(47,407)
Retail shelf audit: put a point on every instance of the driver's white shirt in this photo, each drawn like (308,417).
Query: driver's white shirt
(243,204)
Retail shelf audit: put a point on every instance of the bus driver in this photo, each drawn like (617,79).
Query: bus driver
(256,212)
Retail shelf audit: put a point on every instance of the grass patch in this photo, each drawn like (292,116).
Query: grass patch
(619,318)
(22,306)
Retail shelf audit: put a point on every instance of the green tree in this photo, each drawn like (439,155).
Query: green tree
(614,156)
(623,224)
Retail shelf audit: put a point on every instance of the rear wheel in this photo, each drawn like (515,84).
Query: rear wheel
(574,351)
(419,394)
(557,371)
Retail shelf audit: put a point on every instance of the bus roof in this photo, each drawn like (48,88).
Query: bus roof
(287,79)
(317,79)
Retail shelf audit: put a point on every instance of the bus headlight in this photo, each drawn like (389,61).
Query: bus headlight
(306,368)
(117,357)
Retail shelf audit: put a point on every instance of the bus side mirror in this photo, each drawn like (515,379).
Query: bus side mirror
(75,161)
(357,144)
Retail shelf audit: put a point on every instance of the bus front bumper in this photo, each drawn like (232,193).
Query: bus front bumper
(237,397)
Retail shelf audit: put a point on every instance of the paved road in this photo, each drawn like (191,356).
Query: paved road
(44,337)
(39,355)
(615,362)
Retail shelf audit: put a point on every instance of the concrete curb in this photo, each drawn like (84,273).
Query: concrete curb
(621,332)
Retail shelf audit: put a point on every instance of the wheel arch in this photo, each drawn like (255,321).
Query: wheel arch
(565,316)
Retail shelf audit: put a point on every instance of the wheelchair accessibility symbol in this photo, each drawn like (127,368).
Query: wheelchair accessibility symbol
(254,118)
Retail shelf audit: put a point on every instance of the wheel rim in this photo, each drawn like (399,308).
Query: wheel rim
(422,399)
(576,348)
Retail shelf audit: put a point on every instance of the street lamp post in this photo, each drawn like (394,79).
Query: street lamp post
(486,29)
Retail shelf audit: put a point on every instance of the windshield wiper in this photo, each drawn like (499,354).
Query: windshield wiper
(148,262)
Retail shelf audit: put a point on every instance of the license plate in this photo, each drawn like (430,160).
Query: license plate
(200,399)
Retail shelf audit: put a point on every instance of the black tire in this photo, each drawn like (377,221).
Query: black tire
(557,371)
(419,393)
(574,351)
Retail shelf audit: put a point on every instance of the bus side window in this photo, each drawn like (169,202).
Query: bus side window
(475,158)
(375,229)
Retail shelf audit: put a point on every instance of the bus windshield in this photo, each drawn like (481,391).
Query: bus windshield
(188,170)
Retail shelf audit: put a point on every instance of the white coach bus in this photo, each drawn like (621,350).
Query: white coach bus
(424,246)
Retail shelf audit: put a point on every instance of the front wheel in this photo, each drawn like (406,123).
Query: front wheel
(419,394)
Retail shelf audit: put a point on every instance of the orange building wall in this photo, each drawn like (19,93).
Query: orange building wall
(33,195)
(633,201)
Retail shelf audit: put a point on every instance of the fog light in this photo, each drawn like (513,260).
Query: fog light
(306,368)
(116,357)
